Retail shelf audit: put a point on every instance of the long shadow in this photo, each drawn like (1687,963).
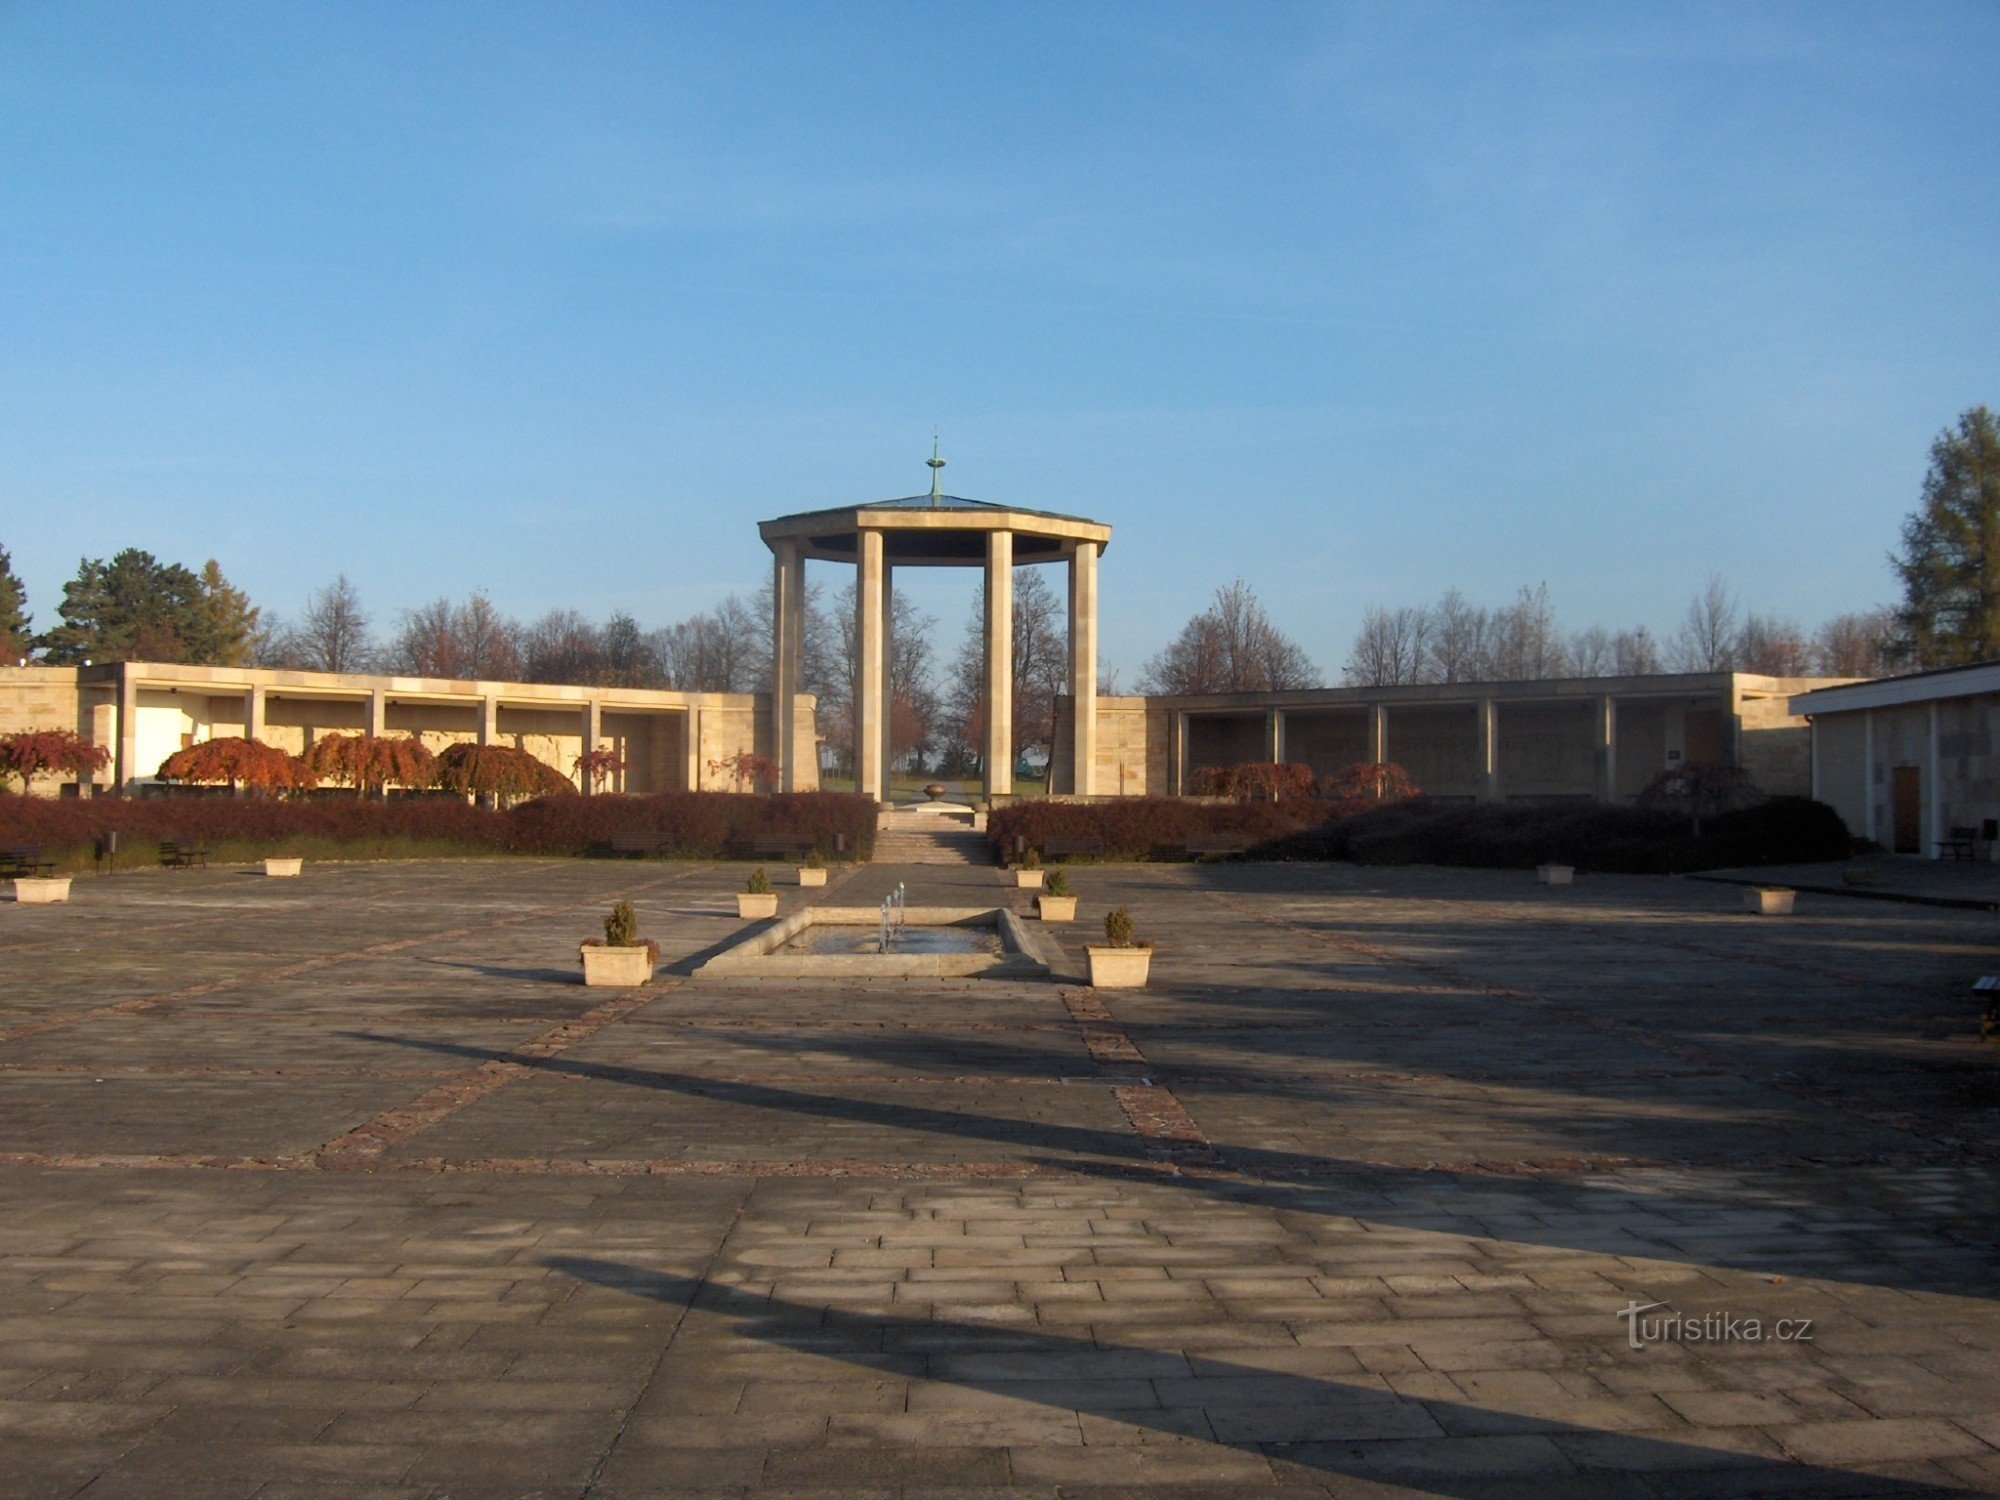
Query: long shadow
(1362,1432)
(1284,1180)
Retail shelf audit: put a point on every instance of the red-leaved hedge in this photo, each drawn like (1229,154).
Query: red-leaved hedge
(702,824)
(1145,827)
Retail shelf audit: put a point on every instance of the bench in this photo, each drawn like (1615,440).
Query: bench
(24,862)
(779,845)
(176,855)
(1218,843)
(1070,848)
(635,843)
(1960,843)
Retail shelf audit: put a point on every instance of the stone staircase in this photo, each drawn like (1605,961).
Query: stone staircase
(924,835)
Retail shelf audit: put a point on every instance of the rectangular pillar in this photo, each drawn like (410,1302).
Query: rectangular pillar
(691,748)
(1378,734)
(128,726)
(1489,751)
(1177,772)
(253,714)
(593,730)
(378,712)
(787,626)
(998,761)
(1868,774)
(1274,736)
(1605,719)
(489,720)
(888,681)
(1083,668)
(869,694)
(1934,781)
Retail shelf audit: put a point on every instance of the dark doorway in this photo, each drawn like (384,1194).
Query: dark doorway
(1905,800)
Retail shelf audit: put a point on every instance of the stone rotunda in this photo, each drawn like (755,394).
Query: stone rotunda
(934,531)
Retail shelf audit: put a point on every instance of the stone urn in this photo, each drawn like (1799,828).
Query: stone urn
(1556,874)
(1056,908)
(619,968)
(36,890)
(751,905)
(1769,900)
(935,791)
(1119,968)
(283,868)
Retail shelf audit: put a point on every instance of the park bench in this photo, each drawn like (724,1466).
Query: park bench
(1959,843)
(1072,847)
(23,861)
(1217,843)
(177,854)
(633,843)
(778,845)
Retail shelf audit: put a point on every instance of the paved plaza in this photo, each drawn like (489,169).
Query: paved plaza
(345,1186)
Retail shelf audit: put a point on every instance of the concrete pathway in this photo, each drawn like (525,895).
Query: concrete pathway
(345,1187)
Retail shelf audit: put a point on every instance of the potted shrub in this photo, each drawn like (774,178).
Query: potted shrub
(1028,873)
(1123,963)
(1555,874)
(813,870)
(1055,903)
(757,899)
(622,958)
(1769,900)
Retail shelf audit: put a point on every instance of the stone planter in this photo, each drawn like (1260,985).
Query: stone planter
(617,968)
(1555,874)
(284,868)
(1028,880)
(1119,968)
(810,876)
(1057,908)
(979,822)
(1769,900)
(34,890)
(749,906)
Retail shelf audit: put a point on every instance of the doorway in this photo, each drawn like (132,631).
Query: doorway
(1905,806)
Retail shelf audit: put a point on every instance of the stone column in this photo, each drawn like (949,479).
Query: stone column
(593,730)
(787,624)
(1934,782)
(1177,772)
(868,706)
(1378,733)
(489,720)
(1868,774)
(1083,667)
(999,757)
(128,726)
(691,747)
(1489,751)
(888,680)
(378,712)
(1605,718)
(1274,736)
(253,714)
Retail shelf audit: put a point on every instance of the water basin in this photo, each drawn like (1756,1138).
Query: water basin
(906,939)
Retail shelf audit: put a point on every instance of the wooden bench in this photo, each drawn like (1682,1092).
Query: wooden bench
(779,845)
(1960,843)
(633,843)
(176,855)
(1218,843)
(24,861)
(1070,848)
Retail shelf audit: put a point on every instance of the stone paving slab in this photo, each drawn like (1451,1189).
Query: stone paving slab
(1348,1203)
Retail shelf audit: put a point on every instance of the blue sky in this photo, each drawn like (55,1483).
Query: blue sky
(1357,302)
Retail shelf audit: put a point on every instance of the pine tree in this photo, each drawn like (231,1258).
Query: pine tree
(1950,558)
(223,624)
(14,638)
(134,608)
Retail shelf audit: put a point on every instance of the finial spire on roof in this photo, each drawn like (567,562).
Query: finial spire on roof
(937,468)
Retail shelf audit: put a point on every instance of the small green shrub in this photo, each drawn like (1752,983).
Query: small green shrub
(759,883)
(1118,927)
(814,860)
(1056,883)
(621,928)
(1031,859)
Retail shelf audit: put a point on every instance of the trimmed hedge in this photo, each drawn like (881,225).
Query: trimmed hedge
(1632,840)
(1145,827)
(702,824)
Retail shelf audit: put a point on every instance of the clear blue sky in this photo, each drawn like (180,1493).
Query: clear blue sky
(1355,301)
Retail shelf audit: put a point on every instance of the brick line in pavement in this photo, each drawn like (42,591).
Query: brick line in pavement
(292,970)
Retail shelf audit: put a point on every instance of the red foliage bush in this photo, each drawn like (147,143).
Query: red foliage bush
(1145,827)
(498,771)
(699,825)
(38,752)
(370,762)
(1370,785)
(1256,779)
(233,760)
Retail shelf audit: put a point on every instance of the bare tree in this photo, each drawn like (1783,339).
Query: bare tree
(1460,644)
(1526,643)
(1634,653)
(1231,647)
(562,646)
(723,650)
(1040,668)
(1590,652)
(1858,645)
(1393,648)
(1772,647)
(1707,639)
(471,640)
(914,711)
(330,636)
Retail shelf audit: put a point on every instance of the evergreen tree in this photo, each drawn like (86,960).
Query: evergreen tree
(14,640)
(1950,558)
(133,608)
(223,628)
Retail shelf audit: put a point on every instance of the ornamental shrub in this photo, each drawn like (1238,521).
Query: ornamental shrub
(621,928)
(42,752)
(1255,779)
(1118,927)
(759,883)
(1056,882)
